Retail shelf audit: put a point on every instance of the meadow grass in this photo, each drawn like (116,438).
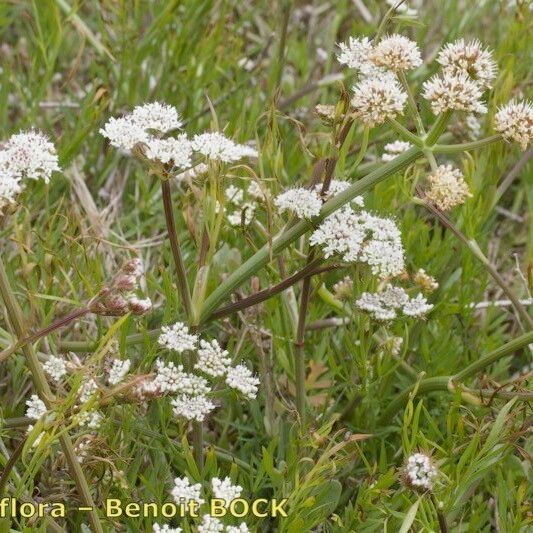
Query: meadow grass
(458,387)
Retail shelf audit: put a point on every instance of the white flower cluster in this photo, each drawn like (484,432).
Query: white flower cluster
(396,52)
(26,155)
(394,149)
(165,528)
(242,379)
(471,57)
(514,122)
(177,338)
(119,369)
(225,490)
(304,203)
(35,407)
(447,187)
(147,124)
(336,187)
(216,146)
(191,390)
(183,492)
(87,390)
(420,472)
(454,92)
(91,419)
(360,236)
(55,367)
(385,305)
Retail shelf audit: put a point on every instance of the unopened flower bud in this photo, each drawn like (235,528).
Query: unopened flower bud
(140,306)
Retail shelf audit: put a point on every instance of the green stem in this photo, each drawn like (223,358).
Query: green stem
(281,241)
(41,384)
(364,146)
(181,273)
(438,128)
(441,383)
(464,147)
(412,104)
(405,133)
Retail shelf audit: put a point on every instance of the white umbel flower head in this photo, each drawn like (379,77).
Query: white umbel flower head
(35,407)
(335,187)
(448,92)
(242,379)
(376,99)
(165,528)
(156,116)
(28,155)
(212,359)
(362,237)
(447,187)
(469,57)
(55,367)
(87,390)
(210,524)
(216,146)
(192,407)
(394,149)
(356,54)
(137,127)
(302,202)
(177,337)
(183,492)
(177,150)
(420,473)
(514,122)
(386,304)
(225,490)
(171,378)
(119,369)
(10,188)
(396,52)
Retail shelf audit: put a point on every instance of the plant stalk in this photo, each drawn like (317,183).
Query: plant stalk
(43,389)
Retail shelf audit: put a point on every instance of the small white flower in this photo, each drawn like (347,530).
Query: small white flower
(183,492)
(29,155)
(447,187)
(91,419)
(396,52)
(212,359)
(35,407)
(234,195)
(218,147)
(376,99)
(426,282)
(55,367)
(176,149)
(458,92)
(122,133)
(420,472)
(241,378)
(335,187)
(192,407)
(302,202)
(87,390)
(177,337)
(171,378)
(165,528)
(470,58)
(156,116)
(241,528)
(393,149)
(118,371)
(386,304)
(515,122)
(225,490)
(356,54)
(210,524)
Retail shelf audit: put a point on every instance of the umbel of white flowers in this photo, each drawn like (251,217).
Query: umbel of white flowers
(190,391)
(25,156)
(148,126)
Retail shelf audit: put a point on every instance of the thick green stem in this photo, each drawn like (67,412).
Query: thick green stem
(43,389)
(464,147)
(438,128)
(412,104)
(181,273)
(263,256)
